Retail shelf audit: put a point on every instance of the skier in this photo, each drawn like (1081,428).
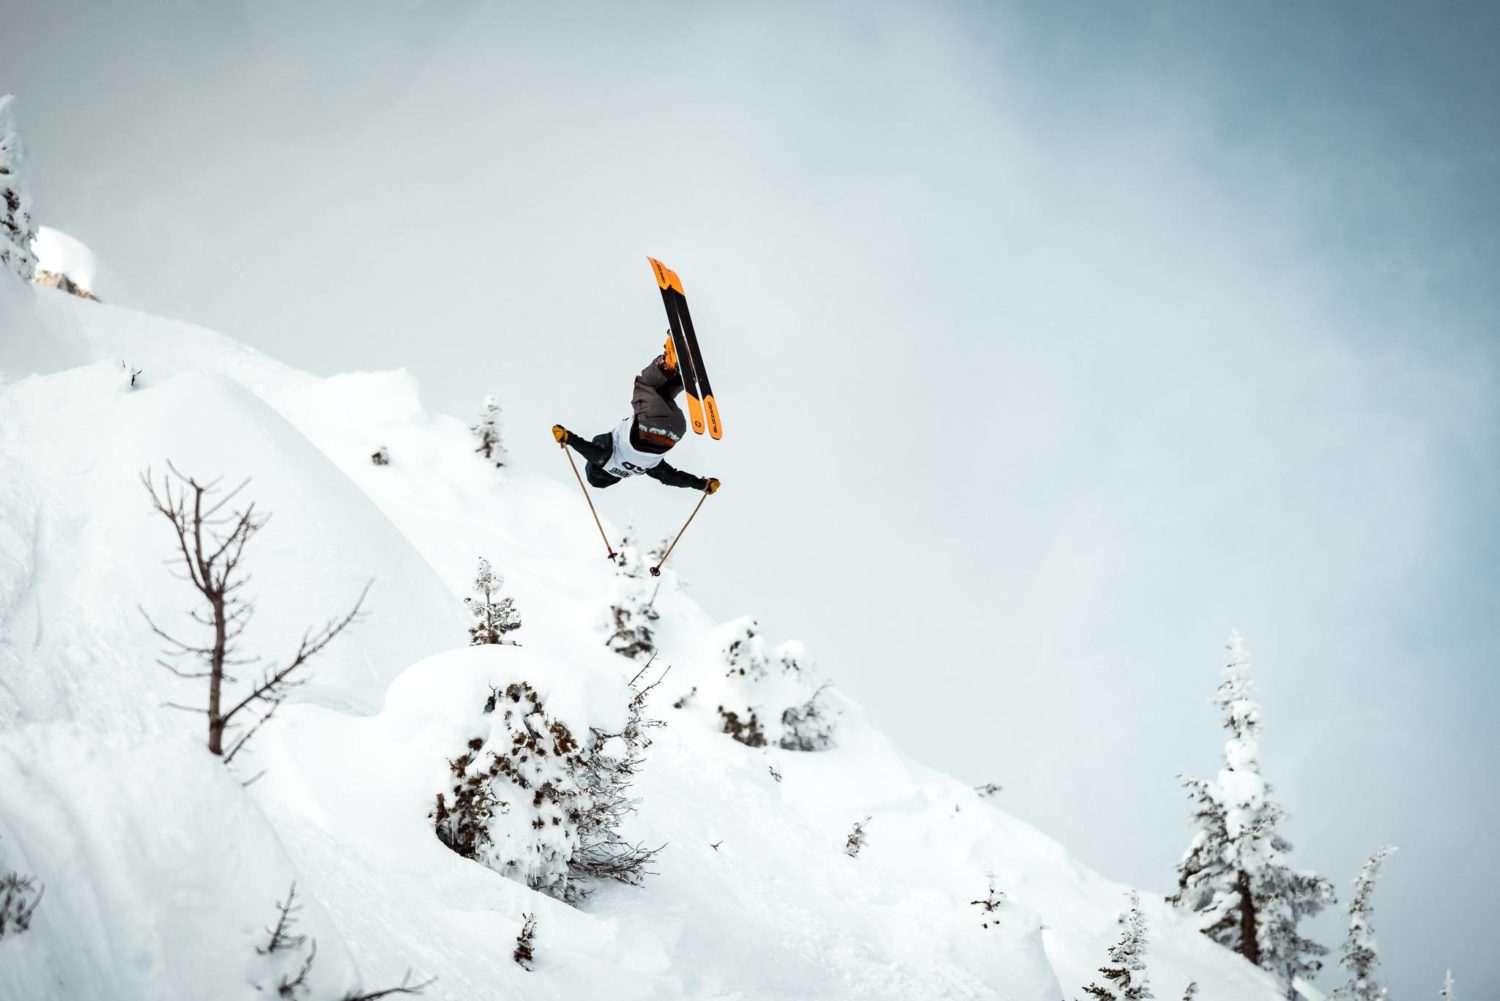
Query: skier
(638,442)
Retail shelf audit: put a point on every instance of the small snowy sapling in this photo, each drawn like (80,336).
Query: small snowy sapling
(487,433)
(493,615)
(1447,994)
(381,456)
(210,547)
(855,842)
(525,953)
(987,790)
(284,954)
(633,613)
(1360,955)
(989,907)
(1126,969)
(1190,993)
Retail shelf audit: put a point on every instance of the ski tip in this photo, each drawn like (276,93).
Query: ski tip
(715,426)
(666,278)
(695,412)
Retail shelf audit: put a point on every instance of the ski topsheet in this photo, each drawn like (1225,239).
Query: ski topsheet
(703,411)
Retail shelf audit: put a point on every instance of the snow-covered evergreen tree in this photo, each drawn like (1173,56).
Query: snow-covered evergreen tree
(1126,969)
(494,616)
(487,433)
(633,612)
(1447,994)
(1234,873)
(1360,955)
(17,231)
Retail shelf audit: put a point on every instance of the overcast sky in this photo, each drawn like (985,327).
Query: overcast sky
(1053,341)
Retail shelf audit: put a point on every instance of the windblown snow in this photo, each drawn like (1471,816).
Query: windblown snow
(163,870)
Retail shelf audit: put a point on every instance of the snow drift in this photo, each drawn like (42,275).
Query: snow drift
(163,871)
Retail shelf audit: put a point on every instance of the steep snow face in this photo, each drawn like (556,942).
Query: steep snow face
(163,872)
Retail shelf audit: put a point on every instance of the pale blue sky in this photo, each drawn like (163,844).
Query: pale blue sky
(1053,342)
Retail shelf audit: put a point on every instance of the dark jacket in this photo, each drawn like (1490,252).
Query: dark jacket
(659,424)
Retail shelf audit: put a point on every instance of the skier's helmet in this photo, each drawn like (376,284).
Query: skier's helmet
(656,433)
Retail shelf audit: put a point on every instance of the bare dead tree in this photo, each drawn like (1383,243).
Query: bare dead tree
(211,540)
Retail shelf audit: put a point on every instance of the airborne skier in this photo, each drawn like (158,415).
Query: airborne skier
(637,443)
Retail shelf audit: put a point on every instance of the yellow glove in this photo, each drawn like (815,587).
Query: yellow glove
(713,485)
(560,433)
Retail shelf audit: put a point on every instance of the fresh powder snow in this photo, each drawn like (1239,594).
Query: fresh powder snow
(164,870)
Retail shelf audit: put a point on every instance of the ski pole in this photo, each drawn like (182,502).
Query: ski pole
(607,547)
(656,570)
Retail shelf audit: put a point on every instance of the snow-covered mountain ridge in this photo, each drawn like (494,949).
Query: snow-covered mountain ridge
(162,871)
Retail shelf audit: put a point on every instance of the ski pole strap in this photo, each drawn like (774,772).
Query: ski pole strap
(656,570)
(600,525)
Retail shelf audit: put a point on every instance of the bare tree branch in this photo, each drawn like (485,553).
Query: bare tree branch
(405,987)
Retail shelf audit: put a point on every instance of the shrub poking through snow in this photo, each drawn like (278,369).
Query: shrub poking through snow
(17,231)
(1447,994)
(989,907)
(783,706)
(746,731)
(1126,969)
(211,537)
(1360,955)
(381,456)
(132,375)
(610,766)
(855,842)
(534,803)
(494,616)
(988,790)
(487,433)
(807,727)
(19,897)
(1191,991)
(633,613)
(1234,874)
(525,953)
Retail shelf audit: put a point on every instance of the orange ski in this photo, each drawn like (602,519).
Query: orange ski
(683,350)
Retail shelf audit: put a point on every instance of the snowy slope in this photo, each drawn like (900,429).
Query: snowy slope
(162,871)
